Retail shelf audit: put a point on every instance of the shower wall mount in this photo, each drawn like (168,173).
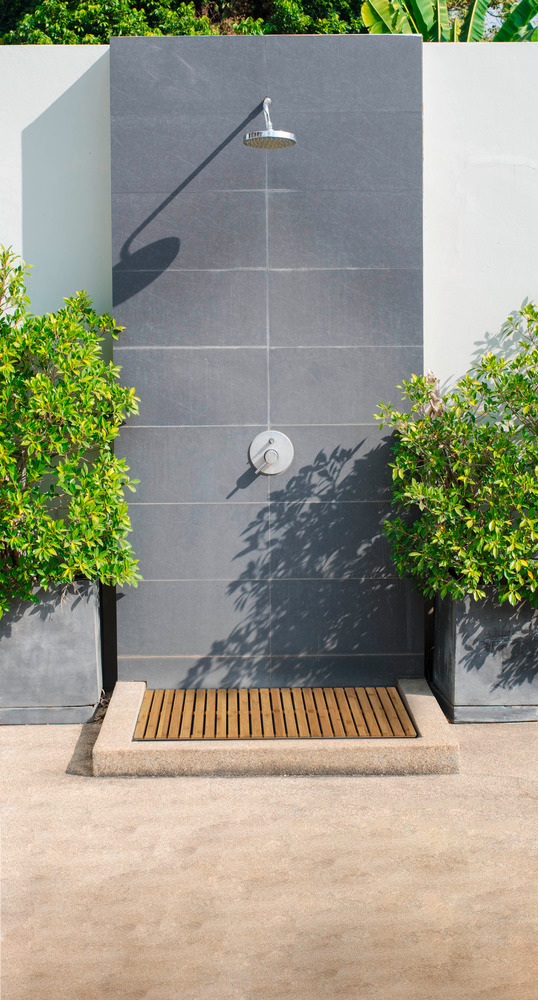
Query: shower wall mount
(271,452)
(269,138)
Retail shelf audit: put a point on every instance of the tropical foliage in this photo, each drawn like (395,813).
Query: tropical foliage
(465,475)
(33,22)
(62,508)
(437,22)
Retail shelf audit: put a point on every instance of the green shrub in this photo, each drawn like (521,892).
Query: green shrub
(465,476)
(62,510)
(70,22)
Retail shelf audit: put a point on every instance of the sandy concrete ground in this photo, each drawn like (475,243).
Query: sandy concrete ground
(328,888)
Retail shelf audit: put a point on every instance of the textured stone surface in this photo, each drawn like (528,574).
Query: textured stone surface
(433,751)
(485,665)
(219,670)
(265,289)
(50,657)
(335,385)
(272,888)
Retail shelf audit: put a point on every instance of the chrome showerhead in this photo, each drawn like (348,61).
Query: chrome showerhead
(269,138)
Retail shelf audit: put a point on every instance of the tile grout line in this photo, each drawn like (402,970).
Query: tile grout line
(257,656)
(263,347)
(271,579)
(210,270)
(284,423)
(268,355)
(246,503)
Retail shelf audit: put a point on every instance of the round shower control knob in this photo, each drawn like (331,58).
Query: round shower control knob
(271,452)
(269,458)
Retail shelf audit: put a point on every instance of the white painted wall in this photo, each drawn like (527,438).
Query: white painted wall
(55,168)
(480,195)
(480,183)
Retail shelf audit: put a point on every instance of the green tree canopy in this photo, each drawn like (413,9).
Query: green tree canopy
(61,22)
(70,22)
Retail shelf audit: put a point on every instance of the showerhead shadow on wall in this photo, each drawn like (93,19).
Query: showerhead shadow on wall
(137,269)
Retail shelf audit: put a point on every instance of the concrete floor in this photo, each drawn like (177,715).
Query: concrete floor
(328,888)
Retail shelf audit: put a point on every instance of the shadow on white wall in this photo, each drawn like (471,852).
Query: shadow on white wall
(66,227)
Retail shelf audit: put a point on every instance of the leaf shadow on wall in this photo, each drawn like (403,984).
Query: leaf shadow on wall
(320,579)
(509,634)
(137,269)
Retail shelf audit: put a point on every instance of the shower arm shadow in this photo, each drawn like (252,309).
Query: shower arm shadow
(125,251)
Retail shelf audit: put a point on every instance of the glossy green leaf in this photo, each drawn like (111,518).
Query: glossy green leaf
(517,25)
(472,29)
(440,31)
(383,17)
(421,14)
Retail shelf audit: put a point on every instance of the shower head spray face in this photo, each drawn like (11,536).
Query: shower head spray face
(269,138)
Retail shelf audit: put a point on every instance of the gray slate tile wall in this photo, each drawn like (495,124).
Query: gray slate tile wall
(279,289)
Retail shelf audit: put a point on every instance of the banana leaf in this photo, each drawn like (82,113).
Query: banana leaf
(516,27)
(473,26)
(383,17)
(441,26)
(421,13)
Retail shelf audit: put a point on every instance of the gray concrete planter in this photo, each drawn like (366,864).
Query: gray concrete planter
(486,660)
(50,657)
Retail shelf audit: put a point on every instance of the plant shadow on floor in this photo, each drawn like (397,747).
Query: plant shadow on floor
(319,585)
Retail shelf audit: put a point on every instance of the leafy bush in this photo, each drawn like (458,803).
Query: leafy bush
(55,22)
(69,22)
(62,509)
(465,475)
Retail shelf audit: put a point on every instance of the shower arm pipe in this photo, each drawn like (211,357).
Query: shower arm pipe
(268,123)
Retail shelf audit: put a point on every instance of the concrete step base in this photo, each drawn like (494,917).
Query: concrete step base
(434,751)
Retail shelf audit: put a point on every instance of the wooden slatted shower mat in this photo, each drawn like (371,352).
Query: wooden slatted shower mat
(273,713)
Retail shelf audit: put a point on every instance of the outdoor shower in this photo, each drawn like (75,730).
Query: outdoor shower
(269,138)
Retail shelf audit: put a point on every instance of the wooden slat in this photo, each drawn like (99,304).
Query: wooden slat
(348,726)
(369,717)
(390,712)
(153,720)
(311,713)
(300,714)
(289,714)
(244,714)
(143,717)
(403,714)
(233,721)
(166,710)
(267,715)
(221,730)
(382,720)
(199,714)
(175,718)
(210,714)
(356,711)
(186,718)
(323,714)
(275,713)
(278,718)
(255,715)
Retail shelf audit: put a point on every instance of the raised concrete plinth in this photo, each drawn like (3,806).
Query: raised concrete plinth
(434,751)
